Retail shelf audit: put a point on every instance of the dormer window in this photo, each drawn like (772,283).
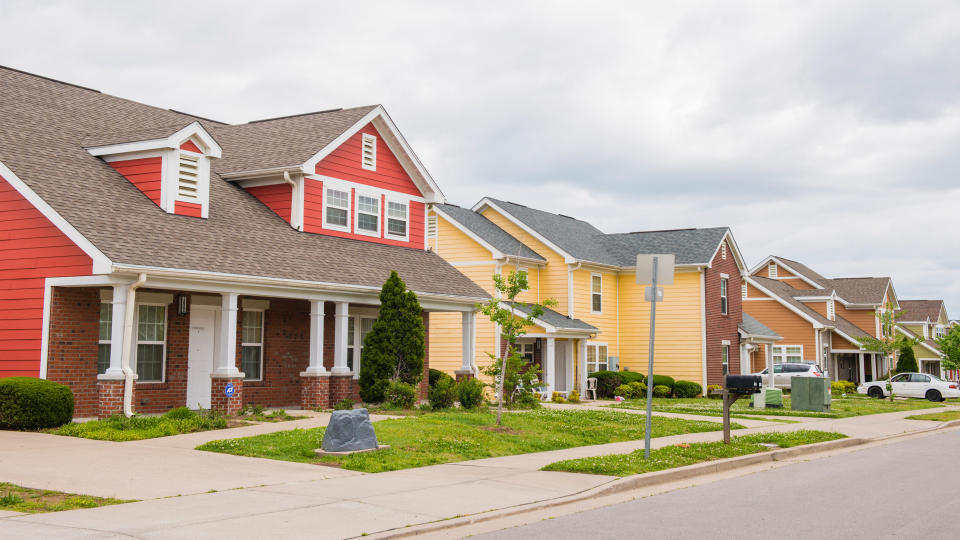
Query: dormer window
(337,209)
(368,157)
(368,215)
(772,271)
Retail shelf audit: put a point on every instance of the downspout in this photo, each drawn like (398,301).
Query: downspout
(295,209)
(128,344)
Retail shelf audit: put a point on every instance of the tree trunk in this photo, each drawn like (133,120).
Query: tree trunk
(503,377)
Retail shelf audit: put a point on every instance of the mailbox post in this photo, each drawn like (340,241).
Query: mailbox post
(734,388)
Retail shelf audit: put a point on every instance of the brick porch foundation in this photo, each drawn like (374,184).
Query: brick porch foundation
(315,392)
(109,397)
(218,398)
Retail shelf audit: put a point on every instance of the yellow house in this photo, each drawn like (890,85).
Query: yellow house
(926,320)
(600,320)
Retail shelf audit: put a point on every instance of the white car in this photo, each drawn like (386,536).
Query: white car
(782,373)
(916,385)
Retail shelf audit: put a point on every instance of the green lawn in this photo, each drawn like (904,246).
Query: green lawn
(670,457)
(944,416)
(451,436)
(121,428)
(839,408)
(20,499)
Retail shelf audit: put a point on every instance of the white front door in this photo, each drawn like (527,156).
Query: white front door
(562,363)
(203,326)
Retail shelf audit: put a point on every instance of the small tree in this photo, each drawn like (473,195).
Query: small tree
(394,347)
(889,342)
(950,347)
(511,328)
(907,362)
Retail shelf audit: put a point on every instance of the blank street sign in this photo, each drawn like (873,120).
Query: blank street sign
(664,268)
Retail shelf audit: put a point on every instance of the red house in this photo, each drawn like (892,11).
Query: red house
(154,259)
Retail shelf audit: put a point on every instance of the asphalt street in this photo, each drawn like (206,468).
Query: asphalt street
(906,489)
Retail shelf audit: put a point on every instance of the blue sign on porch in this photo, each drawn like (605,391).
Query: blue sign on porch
(229,390)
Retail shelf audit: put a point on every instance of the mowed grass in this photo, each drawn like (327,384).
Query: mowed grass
(446,437)
(944,416)
(121,428)
(670,457)
(20,499)
(841,407)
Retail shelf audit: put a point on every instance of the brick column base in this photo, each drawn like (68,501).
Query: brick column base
(109,397)
(343,387)
(218,398)
(315,392)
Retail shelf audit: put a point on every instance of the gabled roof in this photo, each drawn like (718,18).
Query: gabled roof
(556,320)
(920,310)
(801,269)
(928,343)
(752,327)
(581,241)
(41,141)
(862,290)
(782,292)
(488,232)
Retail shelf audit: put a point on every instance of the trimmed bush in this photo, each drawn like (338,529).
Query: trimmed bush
(686,389)
(627,377)
(907,362)
(663,380)
(661,390)
(470,393)
(442,394)
(180,413)
(401,395)
(28,403)
(435,375)
(639,389)
(607,383)
(711,388)
(624,391)
(842,387)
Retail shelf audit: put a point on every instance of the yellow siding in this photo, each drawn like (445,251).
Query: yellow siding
(924,353)
(915,328)
(453,245)
(553,276)
(679,339)
(606,321)
(532,294)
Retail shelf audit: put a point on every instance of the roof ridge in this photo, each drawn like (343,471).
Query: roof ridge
(297,115)
(51,79)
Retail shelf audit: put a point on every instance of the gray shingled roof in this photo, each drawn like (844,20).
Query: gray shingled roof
(864,290)
(785,292)
(753,327)
(585,242)
(44,124)
(489,231)
(920,310)
(558,320)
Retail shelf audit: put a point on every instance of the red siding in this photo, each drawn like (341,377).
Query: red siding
(187,209)
(344,163)
(277,197)
(722,327)
(191,147)
(143,173)
(31,249)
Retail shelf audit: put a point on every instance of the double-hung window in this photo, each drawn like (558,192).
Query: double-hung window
(368,215)
(106,328)
(151,342)
(596,357)
(526,351)
(787,353)
(337,209)
(723,296)
(397,220)
(596,293)
(726,359)
(355,336)
(251,345)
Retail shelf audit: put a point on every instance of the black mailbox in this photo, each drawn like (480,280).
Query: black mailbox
(742,384)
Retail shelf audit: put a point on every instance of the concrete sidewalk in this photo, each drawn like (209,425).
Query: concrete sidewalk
(300,500)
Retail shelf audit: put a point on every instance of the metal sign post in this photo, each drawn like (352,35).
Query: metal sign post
(661,267)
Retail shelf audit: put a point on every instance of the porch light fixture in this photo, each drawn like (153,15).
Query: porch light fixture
(182,307)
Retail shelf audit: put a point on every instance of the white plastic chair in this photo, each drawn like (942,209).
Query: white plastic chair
(592,386)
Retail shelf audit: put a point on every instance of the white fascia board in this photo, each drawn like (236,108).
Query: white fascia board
(548,327)
(194,129)
(736,251)
(784,303)
(497,254)
(845,336)
(907,333)
(397,144)
(568,259)
(896,303)
(771,258)
(101,264)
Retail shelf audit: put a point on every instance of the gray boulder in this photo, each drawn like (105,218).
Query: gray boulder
(349,431)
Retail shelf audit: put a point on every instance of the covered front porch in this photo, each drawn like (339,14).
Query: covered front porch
(857,366)
(148,343)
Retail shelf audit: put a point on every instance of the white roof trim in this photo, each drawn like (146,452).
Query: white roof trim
(510,217)
(101,264)
(497,254)
(765,262)
(397,144)
(736,251)
(194,129)
(907,333)
(784,303)
(550,329)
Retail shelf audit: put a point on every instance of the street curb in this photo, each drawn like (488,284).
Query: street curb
(634,482)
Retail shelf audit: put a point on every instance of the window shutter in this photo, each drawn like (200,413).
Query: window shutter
(188,177)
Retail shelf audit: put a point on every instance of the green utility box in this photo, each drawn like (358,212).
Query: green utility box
(810,394)
(768,398)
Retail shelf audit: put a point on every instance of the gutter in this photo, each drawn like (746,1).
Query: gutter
(128,374)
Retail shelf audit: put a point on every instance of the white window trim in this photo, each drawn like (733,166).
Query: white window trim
(725,357)
(592,293)
(137,342)
(724,296)
(105,341)
(782,355)
(326,202)
(363,143)
(386,216)
(263,338)
(596,355)
(527,271)
(356,214)
(357,341)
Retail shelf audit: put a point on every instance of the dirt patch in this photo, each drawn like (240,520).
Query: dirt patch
(501,429)
(333,464)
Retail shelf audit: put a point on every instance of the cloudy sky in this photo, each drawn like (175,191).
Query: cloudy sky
(827,133)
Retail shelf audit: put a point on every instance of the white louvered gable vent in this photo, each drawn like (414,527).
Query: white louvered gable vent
(188,176)
(772,271)
(369,152)
(431,226)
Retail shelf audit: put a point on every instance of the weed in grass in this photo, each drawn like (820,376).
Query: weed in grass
(944,416)
(840,407)
(21,499)
(121,428)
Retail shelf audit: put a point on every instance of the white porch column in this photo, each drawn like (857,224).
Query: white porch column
(770,375)
(469,335)
(550,377)
(316,340)
(119,302)
(226,362)
(340,366)
(862,377)
(874,366)
(582,367)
